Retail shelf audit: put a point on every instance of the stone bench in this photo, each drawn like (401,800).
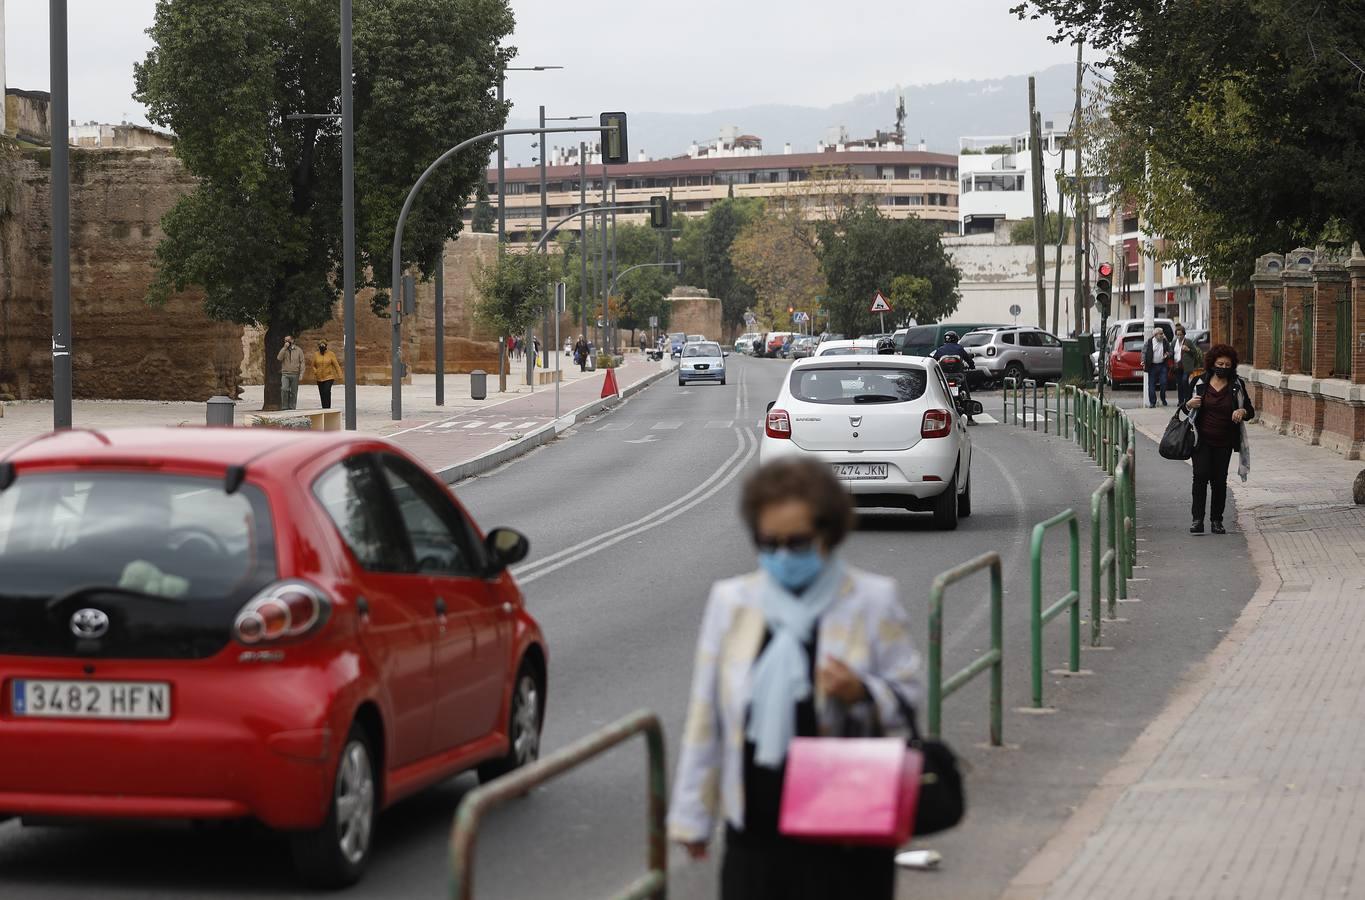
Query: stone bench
(544,377)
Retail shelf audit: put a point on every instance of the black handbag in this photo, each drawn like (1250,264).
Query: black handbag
(942,798)
(1181,438)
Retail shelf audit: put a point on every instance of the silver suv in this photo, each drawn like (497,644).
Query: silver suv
(1015,352)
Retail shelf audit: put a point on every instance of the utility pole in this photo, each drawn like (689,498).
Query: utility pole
(1035,139)
(583,240)
(1148,280)
(544,226)
(61,219)
(1082,201)
(348,214)
(1061,240)
(606,285)
(615,335)
(502,171)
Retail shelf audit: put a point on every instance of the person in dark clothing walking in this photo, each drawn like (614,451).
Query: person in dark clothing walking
(1185,361)
(1156,357)
(1222,405)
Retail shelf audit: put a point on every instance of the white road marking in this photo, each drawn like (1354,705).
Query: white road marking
(666,426)
(721,423)
(529,424)
(647,439)
(725,474)
(616,426)
(987,419)
(450,424)
(472,425)
(500,425)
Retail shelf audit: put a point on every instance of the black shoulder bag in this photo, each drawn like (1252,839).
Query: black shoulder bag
(942,799)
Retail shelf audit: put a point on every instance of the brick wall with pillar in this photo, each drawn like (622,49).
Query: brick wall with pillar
(1356,268)
(1268,284)
(1242,321)
(1329,280)
(1220,315)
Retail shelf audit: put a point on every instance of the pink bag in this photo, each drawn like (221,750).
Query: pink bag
(851,791)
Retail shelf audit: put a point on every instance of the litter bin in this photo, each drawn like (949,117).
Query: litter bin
(591,362)
(478,384)
(1075,360)
(1087,342)
(219,412)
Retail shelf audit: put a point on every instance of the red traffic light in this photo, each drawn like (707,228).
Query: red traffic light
(1106,270)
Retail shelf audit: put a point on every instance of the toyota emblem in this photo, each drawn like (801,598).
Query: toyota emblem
(90,624)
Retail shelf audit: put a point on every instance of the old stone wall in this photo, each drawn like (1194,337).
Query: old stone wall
(693,311)
(122,348)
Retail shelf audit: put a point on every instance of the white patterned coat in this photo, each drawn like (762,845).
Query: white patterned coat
(866,628)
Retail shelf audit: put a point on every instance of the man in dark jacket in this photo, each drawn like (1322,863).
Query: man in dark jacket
(1156,355)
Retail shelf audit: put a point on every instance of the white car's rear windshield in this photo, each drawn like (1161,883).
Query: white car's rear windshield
(849,351)
(858,385)
(980,339)
(701,350)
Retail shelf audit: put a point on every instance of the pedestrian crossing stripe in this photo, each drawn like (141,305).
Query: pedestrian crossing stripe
(986,419)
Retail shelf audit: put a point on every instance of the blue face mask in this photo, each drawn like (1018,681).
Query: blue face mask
(794,571)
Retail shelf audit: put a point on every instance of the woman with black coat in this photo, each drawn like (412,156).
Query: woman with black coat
(1222,405)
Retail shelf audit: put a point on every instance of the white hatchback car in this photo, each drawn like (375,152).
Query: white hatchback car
(847,348)
(887,424)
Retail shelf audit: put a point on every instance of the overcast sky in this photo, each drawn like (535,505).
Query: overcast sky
(642,55)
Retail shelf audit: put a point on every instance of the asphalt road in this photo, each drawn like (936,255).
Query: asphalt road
(631,517)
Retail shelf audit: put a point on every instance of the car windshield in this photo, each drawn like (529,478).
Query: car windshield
(677,338)
(977,339)
(701,350)
(176,538)
(861,385)
(850,351)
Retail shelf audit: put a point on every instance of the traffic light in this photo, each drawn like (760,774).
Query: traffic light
(1104,286)
(615,147)
(660,212)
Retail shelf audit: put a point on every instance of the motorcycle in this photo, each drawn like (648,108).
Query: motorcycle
(955,372)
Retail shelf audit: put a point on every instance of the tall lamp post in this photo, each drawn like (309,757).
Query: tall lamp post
(61,219)
(502,150)
(545,223)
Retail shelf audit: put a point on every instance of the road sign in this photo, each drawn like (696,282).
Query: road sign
(880,304)
(1015,310)
(560,303)
(653,321)
(750,319)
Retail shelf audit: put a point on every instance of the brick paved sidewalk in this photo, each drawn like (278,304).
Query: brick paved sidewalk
(1250,784)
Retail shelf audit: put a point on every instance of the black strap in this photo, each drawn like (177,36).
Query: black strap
(907,713)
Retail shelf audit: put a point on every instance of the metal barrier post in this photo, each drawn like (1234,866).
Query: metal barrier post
(1005,385)
(994,659)
(1071,601)
(1034,382)
(1102,561)
(1123,488)
(651,886)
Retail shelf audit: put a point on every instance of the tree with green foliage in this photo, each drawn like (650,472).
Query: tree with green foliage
(1238,126)
(512,291)
(641,293)
(863,252)
(1021,232)
(775,255)
(261,231)
(704,248)
(485,220)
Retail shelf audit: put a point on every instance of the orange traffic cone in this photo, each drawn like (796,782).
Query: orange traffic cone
(609,388)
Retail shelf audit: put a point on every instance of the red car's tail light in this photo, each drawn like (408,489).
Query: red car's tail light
(290,609)
(937,423)
(779,424)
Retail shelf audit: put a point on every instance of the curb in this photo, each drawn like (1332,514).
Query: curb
(491,459)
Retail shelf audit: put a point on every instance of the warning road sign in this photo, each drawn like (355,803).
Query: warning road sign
(880,304)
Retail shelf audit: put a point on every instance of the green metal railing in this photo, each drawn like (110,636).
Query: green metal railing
(651,886)
(1103,563)
(1070,601)
(992,659)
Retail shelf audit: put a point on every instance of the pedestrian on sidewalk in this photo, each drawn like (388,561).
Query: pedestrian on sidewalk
(326,372)
(1155,355)
(1185,360)
(791,650)
(1222,405)
(291,370)
(580,354)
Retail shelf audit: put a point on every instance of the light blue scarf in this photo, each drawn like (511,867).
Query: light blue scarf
(781,675)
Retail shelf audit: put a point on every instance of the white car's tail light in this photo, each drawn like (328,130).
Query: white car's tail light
(779,424)
(283,611)
(937,423)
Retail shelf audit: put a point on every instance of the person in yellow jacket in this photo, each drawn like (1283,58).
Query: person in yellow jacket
(326,371)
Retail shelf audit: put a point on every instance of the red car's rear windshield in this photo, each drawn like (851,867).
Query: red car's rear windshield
(172,537)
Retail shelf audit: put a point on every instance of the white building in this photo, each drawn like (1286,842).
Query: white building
(996,175)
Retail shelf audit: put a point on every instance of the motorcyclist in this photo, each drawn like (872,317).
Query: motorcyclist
(886,347)
(951,349)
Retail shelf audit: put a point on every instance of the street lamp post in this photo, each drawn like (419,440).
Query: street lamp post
(61,219)
(348,214)
(395,332)
(502,149)
(544,223)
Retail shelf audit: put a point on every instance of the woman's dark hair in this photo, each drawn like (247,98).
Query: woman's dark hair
(1221,350)
(811,482)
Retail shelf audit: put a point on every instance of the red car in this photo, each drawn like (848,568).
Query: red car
(248,623)
(1125,361)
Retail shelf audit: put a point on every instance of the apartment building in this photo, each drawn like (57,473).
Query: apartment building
(902,183)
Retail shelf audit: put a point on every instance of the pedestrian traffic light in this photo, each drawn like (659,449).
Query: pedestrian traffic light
(660,212)
(1104,287)
(615,147)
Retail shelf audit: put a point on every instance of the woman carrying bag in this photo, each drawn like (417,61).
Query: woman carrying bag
(793,650)
(1223,407)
